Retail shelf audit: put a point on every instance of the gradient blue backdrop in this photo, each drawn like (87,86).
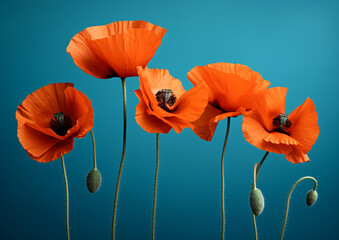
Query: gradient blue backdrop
(290,43)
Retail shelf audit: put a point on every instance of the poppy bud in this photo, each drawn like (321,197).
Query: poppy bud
(93,180)
(256,201)
(312,197)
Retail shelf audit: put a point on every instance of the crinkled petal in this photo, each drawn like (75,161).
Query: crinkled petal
(256,134)
(59,149)
(205,126)
(304,125)
(227,90)
(40,106)
(297,156)
(115,49)
(192,104)
(79,108)
(242,71)
(236,113)
(35,142)
(148,122)
(154,80)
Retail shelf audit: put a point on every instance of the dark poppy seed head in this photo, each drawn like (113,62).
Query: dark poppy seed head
(281,123)
(166,99)
(60,123)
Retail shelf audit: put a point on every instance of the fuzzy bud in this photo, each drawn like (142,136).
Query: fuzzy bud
(93,180)
(256,201)
(311,198)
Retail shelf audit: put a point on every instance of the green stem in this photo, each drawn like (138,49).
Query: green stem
(155,189)
(222,180)
(289,197)
(255,227)
(122,159)
(259,166)
(67,197)
(94,151)
(254,185)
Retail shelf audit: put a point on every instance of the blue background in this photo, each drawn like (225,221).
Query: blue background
(290,43)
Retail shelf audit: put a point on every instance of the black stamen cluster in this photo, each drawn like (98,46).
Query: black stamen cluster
(281,123)
(165,98)
(60,123)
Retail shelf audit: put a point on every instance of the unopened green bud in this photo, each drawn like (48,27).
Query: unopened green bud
(93,180)
(312,197)
(256,201)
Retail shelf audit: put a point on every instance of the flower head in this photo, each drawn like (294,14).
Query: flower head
(232,90)
(164,103)
(269,128)
(50,118)
(115,49)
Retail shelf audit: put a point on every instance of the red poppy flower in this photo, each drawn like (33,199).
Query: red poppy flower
(270,129)
(232,90)
(50,118)
(116,49)
(164,103)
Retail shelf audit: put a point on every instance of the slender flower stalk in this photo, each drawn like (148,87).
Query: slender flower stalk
(94,151)
(122,159)
(222,180)
(254,185)
(155,188)
(67,197)
(259,166)
(289,198)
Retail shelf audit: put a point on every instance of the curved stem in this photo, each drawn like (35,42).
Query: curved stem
(67,197)
(289,197)
(94,151)
(255,175)
(155,189)
(258,168)
(122,159)
(254,185)
(222,180)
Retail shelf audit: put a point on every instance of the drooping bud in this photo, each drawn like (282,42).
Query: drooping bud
(312,197)
(93,180)
(256,201)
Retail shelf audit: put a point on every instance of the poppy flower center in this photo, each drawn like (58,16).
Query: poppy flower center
(166,99)
(60,123)
(281,123)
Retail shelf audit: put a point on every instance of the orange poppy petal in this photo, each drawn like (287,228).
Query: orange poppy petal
(158,79)
(297,156)
(80,110)
(304,124)
(270,105)
(59,149)
(192,104)
(256,134)
(149,123)
(227,91)
(154,80)
(178,124)
(205,126)
(40,106)
(280,138)
(35,142)
(236,113)
(115,49)
(35,125)
(242,71)
(275,99)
